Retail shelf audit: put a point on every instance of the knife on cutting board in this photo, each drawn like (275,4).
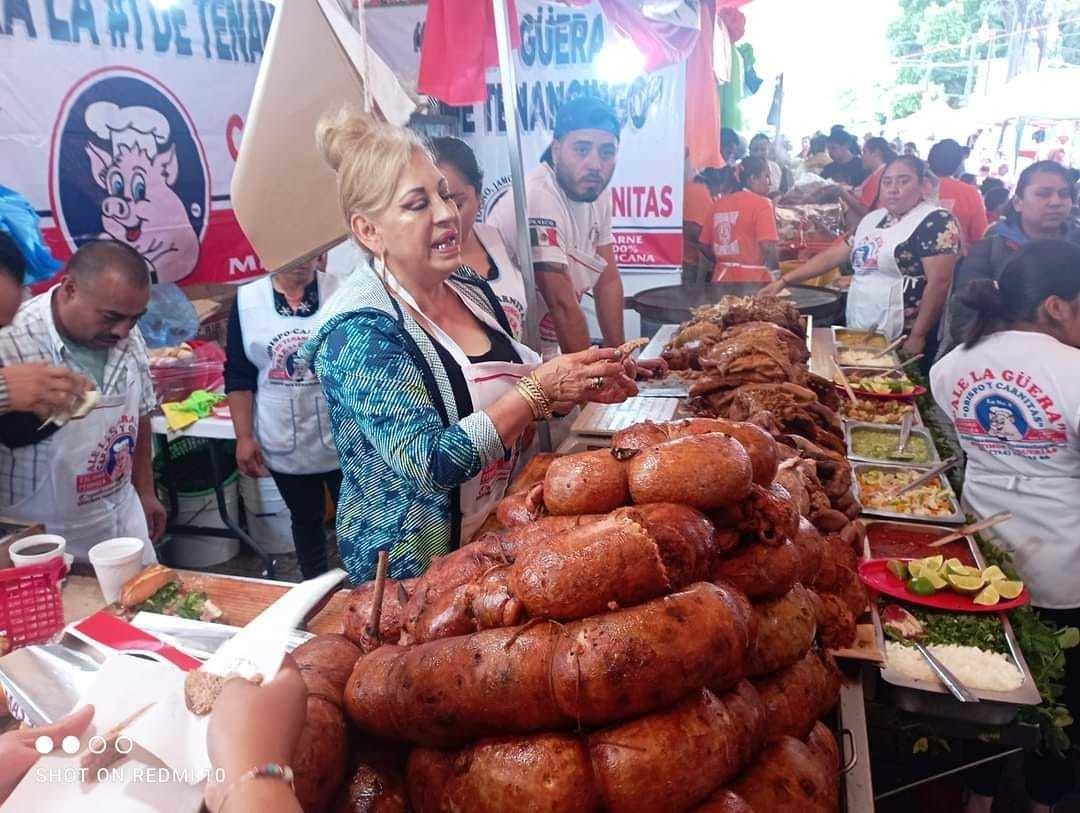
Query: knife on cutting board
(258,648)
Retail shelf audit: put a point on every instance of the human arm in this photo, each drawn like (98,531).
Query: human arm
(372,382)
(608,295)
(40,388)
(553,282)
(250,727)
(828,259)
(241,380)
(142,478)
(17,751)
(937,243)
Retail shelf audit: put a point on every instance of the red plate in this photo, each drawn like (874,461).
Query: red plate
(876,576)
(884,396)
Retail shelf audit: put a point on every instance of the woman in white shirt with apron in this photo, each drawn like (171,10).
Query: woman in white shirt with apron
(903,256)
(482,247)
(278,409)
(1012,391)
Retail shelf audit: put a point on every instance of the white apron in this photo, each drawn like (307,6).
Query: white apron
(876,296)
(509,287)
(87,495)
(487,382)
(1041,536)
(292,424)
(584,269)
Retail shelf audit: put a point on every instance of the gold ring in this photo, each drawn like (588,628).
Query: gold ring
(598,382)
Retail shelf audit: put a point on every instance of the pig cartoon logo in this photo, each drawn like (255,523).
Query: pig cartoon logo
(128,166)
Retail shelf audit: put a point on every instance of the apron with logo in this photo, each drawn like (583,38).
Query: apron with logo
(509,286)
(292,425)
(876,296)
(87,496)
(487,382)
(584,269)
(1041,536)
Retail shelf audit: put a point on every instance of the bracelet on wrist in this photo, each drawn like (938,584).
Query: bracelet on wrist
(271,770)
(536,397)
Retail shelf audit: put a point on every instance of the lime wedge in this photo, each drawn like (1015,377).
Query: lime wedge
(955,566)
(988,596)
(898,569)
(966,584)
(915,567)
(933,562)
(935,579)
(1009,590)
(993,574)
(921,587)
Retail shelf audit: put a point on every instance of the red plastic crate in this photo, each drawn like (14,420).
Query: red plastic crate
(31,609)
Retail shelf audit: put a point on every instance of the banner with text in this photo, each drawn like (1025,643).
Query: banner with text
(122,119)
(559,59)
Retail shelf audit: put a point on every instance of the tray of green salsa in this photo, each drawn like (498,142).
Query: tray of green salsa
(873,442)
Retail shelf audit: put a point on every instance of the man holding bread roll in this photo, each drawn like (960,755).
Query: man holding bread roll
(91,479)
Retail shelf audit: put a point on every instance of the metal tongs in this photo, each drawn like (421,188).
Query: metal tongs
(973,528)
(926,478)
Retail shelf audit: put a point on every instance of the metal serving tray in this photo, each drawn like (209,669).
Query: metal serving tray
(890,360)
(932,698)
(918,421)
(957,517)
(852,426)
(838,332)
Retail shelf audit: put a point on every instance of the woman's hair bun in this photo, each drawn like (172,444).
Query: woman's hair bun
(338,134)
(983,296)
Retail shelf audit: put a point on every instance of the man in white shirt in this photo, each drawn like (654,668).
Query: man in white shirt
(91,479)
(569,213)
(759,148)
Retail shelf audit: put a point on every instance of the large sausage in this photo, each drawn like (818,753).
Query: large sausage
(836,628)
(325,663)
(725,800)
(585,483)
(595,671)
(796,697)
(583,572)
(758,443)
(823,744)
(837,560)
(768,515)
(673,759)
(785,629)
(760,571)
(788,776)
(811,549)
(521,507)
(545,773)
(358,612)
(321,758)
(704,471)
(685,537)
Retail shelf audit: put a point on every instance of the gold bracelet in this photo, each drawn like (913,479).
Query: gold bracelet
(524,392)
(537,398)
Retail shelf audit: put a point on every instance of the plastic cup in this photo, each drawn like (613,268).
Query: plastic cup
(115,561)
(21,553)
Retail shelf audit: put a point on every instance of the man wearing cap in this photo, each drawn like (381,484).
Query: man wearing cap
(569,214)
(946,158)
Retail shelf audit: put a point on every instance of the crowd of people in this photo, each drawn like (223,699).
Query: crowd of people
(414,394)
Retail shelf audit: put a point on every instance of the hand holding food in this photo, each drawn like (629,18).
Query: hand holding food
(44,389)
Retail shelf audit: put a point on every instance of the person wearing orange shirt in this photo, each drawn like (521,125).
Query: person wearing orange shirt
(964,201)
(742,225)
(697,207)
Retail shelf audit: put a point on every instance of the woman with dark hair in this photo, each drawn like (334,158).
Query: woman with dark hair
(946,159)
(996,201)
(1040,208)
(1013,395)
(742,224)
(482,247)
(903,256)
(876,155)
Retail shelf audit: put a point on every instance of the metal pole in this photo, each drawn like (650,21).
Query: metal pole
(508,79)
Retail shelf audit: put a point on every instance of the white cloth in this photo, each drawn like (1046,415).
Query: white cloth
(876,296)
(776,176)
(1015,401)
(508,284)
(292,424)
(562,232)
(487,382)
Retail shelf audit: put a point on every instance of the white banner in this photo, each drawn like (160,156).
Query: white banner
(122,118)
(558,59)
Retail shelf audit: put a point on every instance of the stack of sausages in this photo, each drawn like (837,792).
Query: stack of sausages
(640,636)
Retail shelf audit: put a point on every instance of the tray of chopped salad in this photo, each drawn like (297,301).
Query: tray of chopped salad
(875,483)
(869,383)
(981,649)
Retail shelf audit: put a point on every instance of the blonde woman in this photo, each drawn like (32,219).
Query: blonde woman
(428,392)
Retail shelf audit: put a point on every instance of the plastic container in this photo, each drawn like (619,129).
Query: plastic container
(200,508)
(269,521)
(176,381)
(31,609)
(115,561)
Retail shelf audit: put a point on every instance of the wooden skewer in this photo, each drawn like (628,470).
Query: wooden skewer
(973,528)
(380,586)
(911,360)
(844,380)
(92,763)
(890,347)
